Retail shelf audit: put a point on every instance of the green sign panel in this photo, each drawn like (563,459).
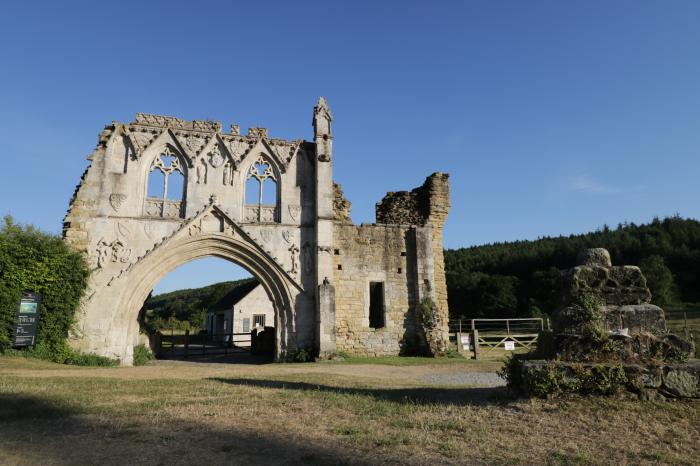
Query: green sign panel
(27,322)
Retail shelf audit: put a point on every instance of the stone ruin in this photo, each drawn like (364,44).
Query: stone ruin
(607,337)
(271,206)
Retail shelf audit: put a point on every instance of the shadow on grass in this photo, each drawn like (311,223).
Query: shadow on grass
(419,395)
(35,430)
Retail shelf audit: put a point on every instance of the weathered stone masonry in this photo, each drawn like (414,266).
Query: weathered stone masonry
(314,264)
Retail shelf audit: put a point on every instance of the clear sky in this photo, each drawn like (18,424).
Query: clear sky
(552,117)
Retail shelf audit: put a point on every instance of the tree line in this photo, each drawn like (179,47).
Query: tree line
(520,278)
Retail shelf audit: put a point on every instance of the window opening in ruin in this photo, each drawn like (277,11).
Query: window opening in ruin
(262,172)
(261,196)
(340,266)
(156,184)
(252,191)
(376,304)
(269,192)
(166,176)
(337,252)
(399,270)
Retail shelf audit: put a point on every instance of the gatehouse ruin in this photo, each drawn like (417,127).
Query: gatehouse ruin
(270,206)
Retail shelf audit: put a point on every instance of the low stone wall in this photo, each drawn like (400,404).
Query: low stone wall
(547,378)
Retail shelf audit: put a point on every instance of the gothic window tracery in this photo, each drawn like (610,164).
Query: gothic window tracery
(166,185)
(261,192)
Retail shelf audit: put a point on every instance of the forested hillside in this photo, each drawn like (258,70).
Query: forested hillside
(184,309)
(517,278)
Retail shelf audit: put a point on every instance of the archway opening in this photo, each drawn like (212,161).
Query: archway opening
(210,310)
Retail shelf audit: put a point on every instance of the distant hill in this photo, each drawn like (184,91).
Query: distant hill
(516,278)
(182,309)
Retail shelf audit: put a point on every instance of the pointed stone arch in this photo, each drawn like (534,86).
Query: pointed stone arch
(149,271)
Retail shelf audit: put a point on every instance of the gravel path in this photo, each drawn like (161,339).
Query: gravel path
(476,379)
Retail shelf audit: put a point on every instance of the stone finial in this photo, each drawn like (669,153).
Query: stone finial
(322,119)
(594,256)
(236,130)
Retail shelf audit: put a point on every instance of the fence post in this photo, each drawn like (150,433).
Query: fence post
(172,340)
(187,342)
(549,327)
(475,336)
(507,327)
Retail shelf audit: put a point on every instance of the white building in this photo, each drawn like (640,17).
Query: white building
(244,308)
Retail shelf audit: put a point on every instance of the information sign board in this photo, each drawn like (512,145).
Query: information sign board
(27,322)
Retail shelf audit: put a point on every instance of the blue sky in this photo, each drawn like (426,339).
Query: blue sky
(551,117)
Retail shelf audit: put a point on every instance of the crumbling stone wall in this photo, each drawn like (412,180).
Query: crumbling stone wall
(404,250)
(364,254)
(341,206)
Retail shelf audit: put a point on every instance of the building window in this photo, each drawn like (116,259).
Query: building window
(376,304)
(246,325)
(259,320)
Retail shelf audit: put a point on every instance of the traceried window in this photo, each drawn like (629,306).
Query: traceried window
(261,193)
(166,186)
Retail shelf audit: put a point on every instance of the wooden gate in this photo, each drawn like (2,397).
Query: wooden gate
(496,334)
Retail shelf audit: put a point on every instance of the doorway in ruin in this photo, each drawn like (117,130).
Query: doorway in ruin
(210,310)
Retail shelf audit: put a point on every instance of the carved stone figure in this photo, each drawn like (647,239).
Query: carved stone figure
(228,174)
(201,172)
(294,259)
(115,251)
(116,201)
(294,211)
(215,157)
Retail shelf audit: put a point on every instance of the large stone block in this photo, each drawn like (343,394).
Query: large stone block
(635,317)
(594,256)
(615,285)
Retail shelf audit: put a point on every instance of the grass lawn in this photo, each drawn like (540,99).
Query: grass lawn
(346,413)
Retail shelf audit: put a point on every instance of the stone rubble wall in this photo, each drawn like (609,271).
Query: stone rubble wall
(364,254)
(341,206)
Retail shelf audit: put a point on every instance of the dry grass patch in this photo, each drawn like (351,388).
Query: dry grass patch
(275,415)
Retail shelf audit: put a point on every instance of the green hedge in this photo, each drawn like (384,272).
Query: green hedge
(31,260)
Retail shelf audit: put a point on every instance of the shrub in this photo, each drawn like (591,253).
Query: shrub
(588,308)
(427,313)
(89,359)
(303,355)
(31,260)
(142,354)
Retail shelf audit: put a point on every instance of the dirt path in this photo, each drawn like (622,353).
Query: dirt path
(458,373)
